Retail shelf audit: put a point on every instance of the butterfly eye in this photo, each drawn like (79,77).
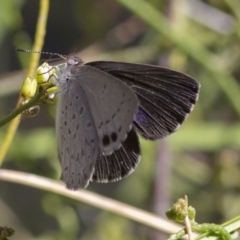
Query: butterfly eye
(71,62)
(74,61)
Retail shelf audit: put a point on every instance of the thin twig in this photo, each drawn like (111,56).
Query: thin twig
(38,43)
(93,199)
(20,109)
(187,221)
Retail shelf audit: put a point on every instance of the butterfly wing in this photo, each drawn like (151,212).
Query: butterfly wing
(113,106)
(77,137)
(166,97)
(120,163)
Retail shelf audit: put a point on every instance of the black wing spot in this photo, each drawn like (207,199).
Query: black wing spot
(104,88)
(70,103)
(81,111)
(69,131)
(86,142)
(74,135)
(106,140)
(82,152)
(108,121)
(77,97)
(89,125)
(114,137)
(113,116)
(68,151)
(66,107)
(77,127)
(65,123)
(100,125)
(74,116)
(120,129)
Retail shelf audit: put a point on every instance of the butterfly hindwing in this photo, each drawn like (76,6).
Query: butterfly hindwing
(120,163)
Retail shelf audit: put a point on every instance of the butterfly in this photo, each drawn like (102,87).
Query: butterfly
(103,106)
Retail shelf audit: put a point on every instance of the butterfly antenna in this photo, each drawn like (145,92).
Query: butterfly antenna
(61,56)
(53,59)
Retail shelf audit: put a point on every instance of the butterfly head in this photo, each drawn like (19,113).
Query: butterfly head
(74,61)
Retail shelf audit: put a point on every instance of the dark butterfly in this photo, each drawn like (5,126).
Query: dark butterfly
(106,104)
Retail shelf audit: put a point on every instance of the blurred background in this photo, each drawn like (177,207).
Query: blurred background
(201,160)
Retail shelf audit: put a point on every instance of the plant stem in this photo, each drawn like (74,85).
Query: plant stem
(38,43)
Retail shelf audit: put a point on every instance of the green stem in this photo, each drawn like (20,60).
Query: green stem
(38,43)
(20,109)
(178,235)
(212,230)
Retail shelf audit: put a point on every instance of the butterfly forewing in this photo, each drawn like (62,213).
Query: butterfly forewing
(166,97)
(113,106)
(78,145)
